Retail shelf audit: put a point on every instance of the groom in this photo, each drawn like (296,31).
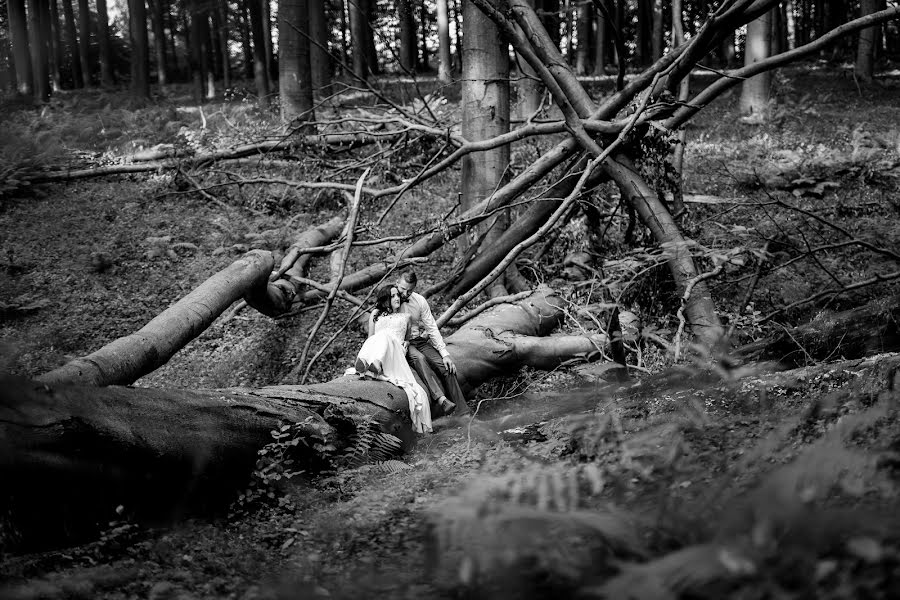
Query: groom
(427,348)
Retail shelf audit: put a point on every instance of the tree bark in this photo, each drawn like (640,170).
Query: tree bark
(358,26)
(260,68)
(529,89)
(443,29)
(140,49)
(72,43)
(408,42)
(159,42)
(246,40)
(864,68)
(107,77)
(295,77)
(57,55)
(583,53)
(70,454)
(221,23)
(755,91)
(600,41)
(84,40)
(18,33)
(38,41)
(319,57)
(126,359)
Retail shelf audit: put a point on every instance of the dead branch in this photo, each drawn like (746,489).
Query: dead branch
(460,320)
(685,298)
(336,283)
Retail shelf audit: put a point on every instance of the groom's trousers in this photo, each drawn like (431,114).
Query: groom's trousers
(426,360)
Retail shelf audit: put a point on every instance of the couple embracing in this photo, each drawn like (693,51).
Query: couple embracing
(403,336)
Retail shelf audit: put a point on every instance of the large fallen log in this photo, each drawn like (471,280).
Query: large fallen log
(71,454)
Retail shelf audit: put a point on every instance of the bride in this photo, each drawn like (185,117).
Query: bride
(383,355)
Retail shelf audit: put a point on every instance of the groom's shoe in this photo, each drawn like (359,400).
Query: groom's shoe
(447,406)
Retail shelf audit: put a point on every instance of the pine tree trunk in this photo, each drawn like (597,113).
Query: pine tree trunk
(600,41)
(57,56)
(583,55)
(864,68)
(21,48)
(443,24)
(658,27)
(407,35)
(39,42)
(159,43)
(358,26)
(424,64)
(319,57)
(295,77)
(107,78)
(84,40)
(140,49)
(72,43)
(260,69)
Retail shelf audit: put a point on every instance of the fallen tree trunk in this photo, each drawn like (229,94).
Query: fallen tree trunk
(855,333)
(70,454)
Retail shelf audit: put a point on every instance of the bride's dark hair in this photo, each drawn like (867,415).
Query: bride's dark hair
(383,301)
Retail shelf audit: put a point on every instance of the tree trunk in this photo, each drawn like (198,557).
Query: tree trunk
(267,39)
(126,359)
(443,28)
(407,40)
(21,48)
(529,89)
(424,64)
(260,69)
(583,54)
(72,43)
(601,25)
(295,77)
(370,21)
(57,56)
(39,42)
(644,32)
(358,26)
(159,43)
(107,77)
(84,40)
(755,91)
(246,40)
(319,57)
(864,68)
(140,49)
(658,27)
(70,454)
(221,22)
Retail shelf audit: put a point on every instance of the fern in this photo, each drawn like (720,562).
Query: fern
(369,444)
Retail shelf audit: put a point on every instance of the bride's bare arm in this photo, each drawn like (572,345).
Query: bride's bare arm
(371,324)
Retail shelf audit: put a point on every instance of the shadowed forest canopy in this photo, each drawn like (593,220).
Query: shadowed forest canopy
(659,238)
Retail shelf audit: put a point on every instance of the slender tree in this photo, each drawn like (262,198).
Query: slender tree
(657,43)
(358,27)
(601,27)
(159,42)
(220,25)
(755,90)
(72,43)
(583,53)
(529,88)
(407,31)
(21,47)
(260,69)
(39,40)
(246,39)
(140,49)
(84,40)
(57,54)
(107,77)
(267,40)
(424,62)
(295,72)
(864,67)
(443,25)
(319,57)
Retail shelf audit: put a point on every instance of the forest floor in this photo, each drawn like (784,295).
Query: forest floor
(682,483)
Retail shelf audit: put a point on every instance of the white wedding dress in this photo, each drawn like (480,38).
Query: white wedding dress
(385,345)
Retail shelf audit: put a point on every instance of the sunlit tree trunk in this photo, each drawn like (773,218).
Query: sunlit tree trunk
(159,42)
(755,91)
(443,25)
(657,42)
(358,26)
(600,41)
(57,55)
(84,40)
(485,111)
(106,71)
(583,54)
(407,54)
(864,68)
(39,42)
(295,78)
(260,70)
(72,43)
(319,57)
(18,33)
